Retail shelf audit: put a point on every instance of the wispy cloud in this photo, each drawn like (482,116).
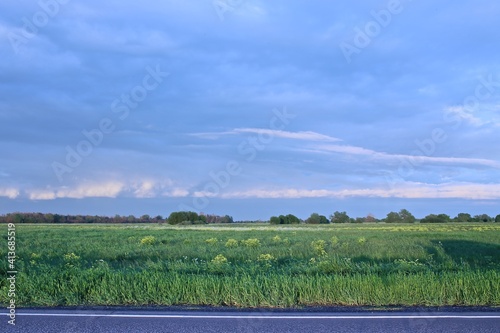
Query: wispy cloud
(407,190)
(463,113)
(353,150)
(310,136)
(301,135)
(304,136)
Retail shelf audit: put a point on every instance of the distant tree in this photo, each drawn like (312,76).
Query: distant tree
(315,218)
(292,219)
(57,218)
(463,217)
(339,217)
(370,218)
(406,216)
(445,218)
(282,219)
(393,217)
(432,218)
(497,219)
(482,218)
(226,219)
(274,220)
(359,220)
(185,217)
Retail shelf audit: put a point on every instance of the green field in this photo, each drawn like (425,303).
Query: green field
(256,265)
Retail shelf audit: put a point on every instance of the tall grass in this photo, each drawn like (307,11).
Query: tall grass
(117,265)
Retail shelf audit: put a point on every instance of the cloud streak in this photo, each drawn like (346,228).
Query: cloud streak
(469,191)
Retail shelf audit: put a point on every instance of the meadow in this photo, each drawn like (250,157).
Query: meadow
(256,265)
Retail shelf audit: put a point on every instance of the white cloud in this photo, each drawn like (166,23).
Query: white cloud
(303,135)
(144,188)
(417,159)
(464,114)
(348,149)
(10,193)
(176,192)
(109,189)
(151,188)
(406,190)
(41,194)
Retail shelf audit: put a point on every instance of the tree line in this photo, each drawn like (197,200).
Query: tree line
(189,218)
(403,216)
(174,218)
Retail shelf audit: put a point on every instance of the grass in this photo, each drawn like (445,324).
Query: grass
(256,266)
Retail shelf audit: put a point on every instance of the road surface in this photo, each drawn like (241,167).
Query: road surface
(148,321)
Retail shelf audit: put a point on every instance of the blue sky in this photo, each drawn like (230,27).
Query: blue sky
(250,108)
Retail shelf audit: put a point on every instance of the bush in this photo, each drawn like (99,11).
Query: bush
(219,260)
(319,247)
(148,240)
(251,242)
(232,243)
(266,259)
(211,241)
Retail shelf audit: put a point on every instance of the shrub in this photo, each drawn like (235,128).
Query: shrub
(232,243)
(319,247)
(71,257)
(148,240)
(251,242)
(211,241)
(219,260)
(266,259)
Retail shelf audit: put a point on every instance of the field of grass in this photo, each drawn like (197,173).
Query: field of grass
(256,265)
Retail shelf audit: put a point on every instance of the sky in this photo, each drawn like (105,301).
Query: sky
(250,108)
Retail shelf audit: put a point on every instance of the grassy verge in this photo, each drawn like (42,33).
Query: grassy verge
(372,265)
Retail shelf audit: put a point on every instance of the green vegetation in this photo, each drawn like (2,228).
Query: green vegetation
(250,266)
(282,219)
(315,218)
(190,218)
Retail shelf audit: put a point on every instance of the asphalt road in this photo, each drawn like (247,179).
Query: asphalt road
(146,321)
